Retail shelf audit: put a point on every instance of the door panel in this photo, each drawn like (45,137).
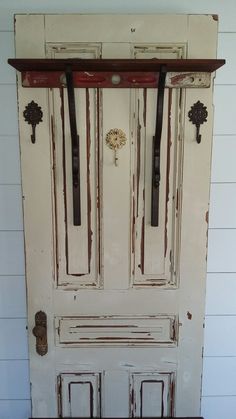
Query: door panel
(124,300)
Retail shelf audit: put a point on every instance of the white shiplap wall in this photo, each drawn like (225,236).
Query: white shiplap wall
(219,384)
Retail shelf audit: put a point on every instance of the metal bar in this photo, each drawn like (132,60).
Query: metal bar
(75,152)
(156,151)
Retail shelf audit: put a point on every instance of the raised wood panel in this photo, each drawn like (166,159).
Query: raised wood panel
(152,394)
(117,331)
(156,249)
(79,395)
(76,265)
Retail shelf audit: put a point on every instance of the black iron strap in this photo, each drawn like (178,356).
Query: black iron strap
(75,152)
(156,150)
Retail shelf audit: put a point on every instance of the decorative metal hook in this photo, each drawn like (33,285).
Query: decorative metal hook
(198,115)
(33,114)
(115,139)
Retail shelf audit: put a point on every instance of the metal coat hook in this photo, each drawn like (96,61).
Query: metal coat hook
(198,115)
(33,114)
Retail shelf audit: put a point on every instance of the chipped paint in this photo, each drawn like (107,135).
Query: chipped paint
(189,315)
(117,330)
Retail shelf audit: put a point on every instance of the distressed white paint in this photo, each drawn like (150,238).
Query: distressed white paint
(221,287)
(124,331)
(80,395)
(58,293)
(150,395)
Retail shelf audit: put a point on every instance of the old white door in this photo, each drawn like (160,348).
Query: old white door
(124,300)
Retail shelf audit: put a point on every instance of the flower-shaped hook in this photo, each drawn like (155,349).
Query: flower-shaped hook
(198,115)
(33,115)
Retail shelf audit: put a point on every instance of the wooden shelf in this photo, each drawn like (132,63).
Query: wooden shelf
(120,65)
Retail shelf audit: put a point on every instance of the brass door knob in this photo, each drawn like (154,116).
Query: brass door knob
(40,332)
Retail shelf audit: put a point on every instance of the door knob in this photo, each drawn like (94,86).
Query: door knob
(40,332)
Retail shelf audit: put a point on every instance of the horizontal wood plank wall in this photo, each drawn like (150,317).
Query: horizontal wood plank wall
(219,389)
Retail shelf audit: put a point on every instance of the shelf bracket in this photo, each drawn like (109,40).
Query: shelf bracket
(75,152)
(156,149)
